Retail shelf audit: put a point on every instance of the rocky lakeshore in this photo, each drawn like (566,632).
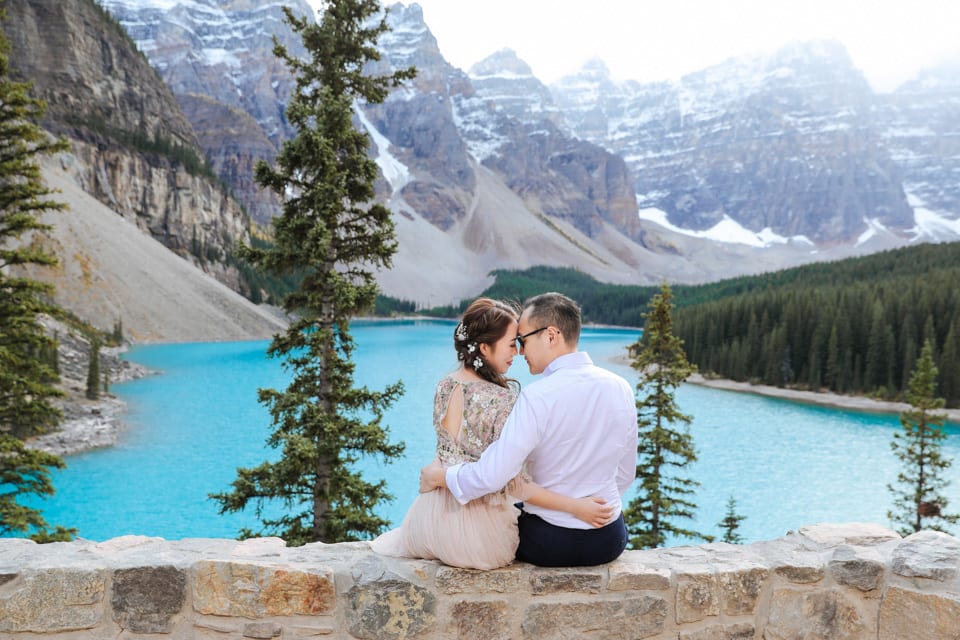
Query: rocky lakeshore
(87,424)
(824,398)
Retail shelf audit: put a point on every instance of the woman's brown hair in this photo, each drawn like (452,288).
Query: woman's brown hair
(484,322)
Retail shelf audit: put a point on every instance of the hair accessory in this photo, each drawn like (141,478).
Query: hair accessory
(461,333)
(471,347)
(477,363)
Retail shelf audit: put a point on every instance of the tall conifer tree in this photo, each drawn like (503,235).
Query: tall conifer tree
(919,502)
(665,444)
(332,233)
(27,372)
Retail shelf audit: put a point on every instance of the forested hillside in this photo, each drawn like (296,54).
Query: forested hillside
(851,326)
(855,326)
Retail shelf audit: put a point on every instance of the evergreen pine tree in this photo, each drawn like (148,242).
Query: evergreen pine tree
(93,369)
(27,371)
(25,472)
(731,522)
(663,451)
(332,234)
(919,502)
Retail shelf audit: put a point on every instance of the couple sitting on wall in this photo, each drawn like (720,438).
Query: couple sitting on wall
(537,476)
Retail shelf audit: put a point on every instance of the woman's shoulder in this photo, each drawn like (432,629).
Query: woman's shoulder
(490,389)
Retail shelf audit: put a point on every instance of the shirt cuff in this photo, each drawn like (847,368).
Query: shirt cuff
(453,484)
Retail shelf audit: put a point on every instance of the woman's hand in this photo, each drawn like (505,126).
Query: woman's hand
(432,477)
(593,510)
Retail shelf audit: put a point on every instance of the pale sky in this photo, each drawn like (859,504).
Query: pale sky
(649,40)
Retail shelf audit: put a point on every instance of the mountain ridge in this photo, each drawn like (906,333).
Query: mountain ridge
(489,169)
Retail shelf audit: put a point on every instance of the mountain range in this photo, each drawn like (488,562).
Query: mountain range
(751,165)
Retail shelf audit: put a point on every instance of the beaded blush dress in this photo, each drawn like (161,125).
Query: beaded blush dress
(483,533)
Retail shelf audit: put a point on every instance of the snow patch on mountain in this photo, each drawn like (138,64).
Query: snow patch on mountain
(395,172)
(874,228)
(727,230)
(931,226)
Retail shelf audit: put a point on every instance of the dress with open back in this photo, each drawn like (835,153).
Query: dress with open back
(483,533)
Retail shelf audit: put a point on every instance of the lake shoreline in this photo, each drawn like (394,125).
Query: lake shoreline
(821,398)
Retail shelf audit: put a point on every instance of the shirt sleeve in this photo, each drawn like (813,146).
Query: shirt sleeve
(501,461)
(627,469)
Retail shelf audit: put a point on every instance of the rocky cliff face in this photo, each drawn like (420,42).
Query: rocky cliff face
(217,58)
(921,128)
(128,135)
(754,164)
(786,144)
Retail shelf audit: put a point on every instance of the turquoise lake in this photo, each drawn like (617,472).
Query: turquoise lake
(190,426)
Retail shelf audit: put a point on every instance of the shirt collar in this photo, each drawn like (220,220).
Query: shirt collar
(575,359)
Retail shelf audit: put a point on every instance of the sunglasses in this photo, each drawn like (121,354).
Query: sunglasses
(523,338)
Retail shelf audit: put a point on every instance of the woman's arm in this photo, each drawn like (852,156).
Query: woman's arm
(592,510)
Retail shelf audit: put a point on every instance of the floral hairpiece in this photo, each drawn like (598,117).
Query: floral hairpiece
(471,347)
(461,333)
(477,363)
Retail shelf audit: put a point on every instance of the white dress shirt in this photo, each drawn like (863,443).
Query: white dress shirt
(576,428)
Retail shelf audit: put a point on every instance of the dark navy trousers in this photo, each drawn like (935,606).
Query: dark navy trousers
(547,545)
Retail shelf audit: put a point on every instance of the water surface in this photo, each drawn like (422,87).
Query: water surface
(190,427)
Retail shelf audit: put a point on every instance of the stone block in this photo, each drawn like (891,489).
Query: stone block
(859,567)
(919,616)
(741,590)
(630,576)
(451,580)
(742,631)
(927,554)
(390,609)
(145,599)
(262,630)
(544,581)
(862,534)
(698,597)
(815,614)
(258,590)
(801,574)
(626,618)
(52,600)
(486,620)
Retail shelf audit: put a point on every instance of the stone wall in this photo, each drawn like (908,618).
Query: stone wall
(847,581)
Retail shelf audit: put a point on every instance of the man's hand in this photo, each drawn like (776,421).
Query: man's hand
(432,477)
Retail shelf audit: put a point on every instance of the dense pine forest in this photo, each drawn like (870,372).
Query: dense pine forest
(853,326)
(850,326)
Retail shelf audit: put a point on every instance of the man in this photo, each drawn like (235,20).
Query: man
(576,428)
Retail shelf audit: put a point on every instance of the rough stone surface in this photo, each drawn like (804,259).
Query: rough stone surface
(741,590)
(919,616)
(817,585)
(628,576)
(262,630)
(821,614)
(858,567)
(743,631)
(698,597)
(451,580)
(256,590)
(145,599)
(637,617)
(856,533)
(927,554)
(52,600)
(480,620)
(565,580)
(391,609)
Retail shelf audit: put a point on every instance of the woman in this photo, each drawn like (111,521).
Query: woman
(469,409)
